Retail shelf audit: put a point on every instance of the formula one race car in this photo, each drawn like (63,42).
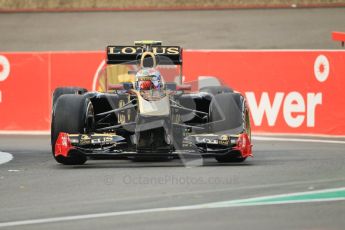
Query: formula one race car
(143,110)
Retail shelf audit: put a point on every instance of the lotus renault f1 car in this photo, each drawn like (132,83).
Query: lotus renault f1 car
(143,110)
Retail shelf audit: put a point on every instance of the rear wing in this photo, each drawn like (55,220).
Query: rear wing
(125,54)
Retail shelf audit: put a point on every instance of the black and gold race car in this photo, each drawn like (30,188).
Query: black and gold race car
(143,110)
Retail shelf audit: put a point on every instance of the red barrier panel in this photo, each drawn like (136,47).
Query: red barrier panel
(27,81)
(287,91)
(24,91)
(75,68)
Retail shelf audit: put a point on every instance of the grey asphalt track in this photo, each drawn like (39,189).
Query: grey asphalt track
(227,29)
(33,185)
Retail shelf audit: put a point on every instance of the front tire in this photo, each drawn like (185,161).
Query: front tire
(73,114)
(231,157)
(66,90)
(214,90)
(228,114)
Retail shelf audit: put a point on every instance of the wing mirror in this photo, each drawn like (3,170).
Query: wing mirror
(170,86)
(127,86)
(122,86)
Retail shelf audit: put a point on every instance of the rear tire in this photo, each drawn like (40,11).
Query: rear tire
(73,114)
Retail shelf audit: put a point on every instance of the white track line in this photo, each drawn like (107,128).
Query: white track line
(223,204)
(285,139)
(297,135)
(5,157)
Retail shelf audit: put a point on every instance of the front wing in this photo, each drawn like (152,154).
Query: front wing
(112,146)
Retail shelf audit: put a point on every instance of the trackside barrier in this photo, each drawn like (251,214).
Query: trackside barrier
(288,91)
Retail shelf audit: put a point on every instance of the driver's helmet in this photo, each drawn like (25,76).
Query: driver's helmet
(147,79)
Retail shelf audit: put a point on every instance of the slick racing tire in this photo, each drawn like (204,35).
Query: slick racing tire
(227,115)
(214,90)
(66,90)
(229,159)
(73,114)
